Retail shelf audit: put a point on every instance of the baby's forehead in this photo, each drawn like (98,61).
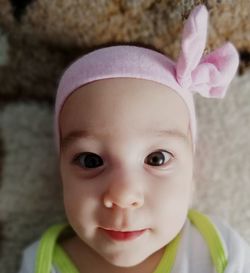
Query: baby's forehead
(126,97)
(97,135)
(127,90)
(125,106)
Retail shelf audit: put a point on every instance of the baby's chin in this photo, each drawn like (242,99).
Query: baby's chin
(132,259)
(145,260)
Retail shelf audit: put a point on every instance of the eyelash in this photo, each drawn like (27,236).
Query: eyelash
(77,157)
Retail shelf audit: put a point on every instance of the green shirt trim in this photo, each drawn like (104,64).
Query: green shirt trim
(212,237)
(63,262)
(46,248)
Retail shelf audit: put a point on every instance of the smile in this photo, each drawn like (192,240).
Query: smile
(124,236)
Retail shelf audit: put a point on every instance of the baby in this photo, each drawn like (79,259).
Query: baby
(125,130)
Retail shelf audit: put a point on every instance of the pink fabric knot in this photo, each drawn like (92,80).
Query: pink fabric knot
(208,75)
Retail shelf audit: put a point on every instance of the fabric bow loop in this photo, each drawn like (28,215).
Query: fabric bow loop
(208,75)
(214,73)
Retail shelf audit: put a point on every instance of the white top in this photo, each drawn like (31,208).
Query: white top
(193,255)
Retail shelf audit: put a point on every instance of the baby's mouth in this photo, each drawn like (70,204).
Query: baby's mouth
(123,235)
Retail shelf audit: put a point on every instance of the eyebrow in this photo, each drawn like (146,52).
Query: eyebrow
(80,134)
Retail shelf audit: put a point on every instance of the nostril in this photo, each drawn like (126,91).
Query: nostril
(137,204)
(123,194)
(108,203)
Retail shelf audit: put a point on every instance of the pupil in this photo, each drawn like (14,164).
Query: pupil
(158,159)
(92,161)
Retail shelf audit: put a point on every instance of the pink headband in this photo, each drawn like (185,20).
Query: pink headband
(209,75)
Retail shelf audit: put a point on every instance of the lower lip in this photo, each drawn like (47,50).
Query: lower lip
(124,236)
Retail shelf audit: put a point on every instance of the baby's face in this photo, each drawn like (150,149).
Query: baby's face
(126,142)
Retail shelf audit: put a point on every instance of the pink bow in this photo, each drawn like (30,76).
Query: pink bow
(208,75)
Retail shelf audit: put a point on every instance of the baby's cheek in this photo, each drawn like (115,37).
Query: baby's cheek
(78,210)
(71,206)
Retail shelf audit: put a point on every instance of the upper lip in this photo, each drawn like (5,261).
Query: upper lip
(123,230)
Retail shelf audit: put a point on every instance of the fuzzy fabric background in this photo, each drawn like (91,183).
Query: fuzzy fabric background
(39,38)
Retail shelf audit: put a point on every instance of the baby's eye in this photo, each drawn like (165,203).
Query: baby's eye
(88,160)
(158,158)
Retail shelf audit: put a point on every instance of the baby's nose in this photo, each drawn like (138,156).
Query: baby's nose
(124,191)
